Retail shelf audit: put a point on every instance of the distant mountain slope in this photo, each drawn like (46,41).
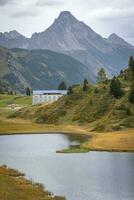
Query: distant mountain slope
(72,37)
(39,69)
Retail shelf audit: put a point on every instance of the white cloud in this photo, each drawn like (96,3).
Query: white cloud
(24,13)
(48,3)
(5,2)
(111,13)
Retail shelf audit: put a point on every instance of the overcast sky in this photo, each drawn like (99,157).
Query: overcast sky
(103,16)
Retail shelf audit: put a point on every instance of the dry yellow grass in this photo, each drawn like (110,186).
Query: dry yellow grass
(13,126)
(112,141)
(14,187)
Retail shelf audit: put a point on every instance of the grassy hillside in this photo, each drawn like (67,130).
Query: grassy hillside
(13,186)
(95,108)
(39,69)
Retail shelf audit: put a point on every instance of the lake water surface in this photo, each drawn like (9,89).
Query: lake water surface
(88,176)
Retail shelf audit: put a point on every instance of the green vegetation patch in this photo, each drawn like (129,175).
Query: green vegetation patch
(105,106)
(6,100)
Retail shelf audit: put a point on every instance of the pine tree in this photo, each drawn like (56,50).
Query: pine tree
(85,85)
(131,65)
(101,76)
(62,86)
(11,92)
(121,72)
(28,92)
(70,90)
(131,95)
(115,88)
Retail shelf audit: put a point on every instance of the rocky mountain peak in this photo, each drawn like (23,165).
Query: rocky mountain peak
(12,34)
(115,39)
(113,36)
(65,16)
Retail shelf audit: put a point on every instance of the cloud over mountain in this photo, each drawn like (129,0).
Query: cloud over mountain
(5,2)
(48,3)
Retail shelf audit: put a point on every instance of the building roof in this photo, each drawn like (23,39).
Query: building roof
(38,92)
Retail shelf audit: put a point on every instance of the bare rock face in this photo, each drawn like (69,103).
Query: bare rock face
(13,39)
(72,37)
(116,40)
(67,33)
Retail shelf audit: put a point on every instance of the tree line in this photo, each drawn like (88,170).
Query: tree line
(115,87)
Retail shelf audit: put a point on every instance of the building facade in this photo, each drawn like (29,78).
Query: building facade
(47,96)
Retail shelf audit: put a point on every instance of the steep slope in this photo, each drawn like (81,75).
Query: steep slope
(67,33)
(95,108)
(39,69)
(72,37)
(75,38)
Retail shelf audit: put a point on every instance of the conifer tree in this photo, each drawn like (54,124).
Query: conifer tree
(28,92)
(101,76)
(131,94)
(131,65)
(115,88)
(62,86)
(70,90)
(85,85)
(11,92)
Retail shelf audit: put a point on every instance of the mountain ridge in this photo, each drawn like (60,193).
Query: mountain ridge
(114,38)
(72,37)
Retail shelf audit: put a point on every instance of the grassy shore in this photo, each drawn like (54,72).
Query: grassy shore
(74,149)
(13,186)
(112,141)
(109,141)
(18,125)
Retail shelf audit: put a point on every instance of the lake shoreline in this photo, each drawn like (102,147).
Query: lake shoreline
(15,180)
(92,139)
(116,141)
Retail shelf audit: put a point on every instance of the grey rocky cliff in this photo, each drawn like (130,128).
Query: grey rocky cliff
(72,37)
